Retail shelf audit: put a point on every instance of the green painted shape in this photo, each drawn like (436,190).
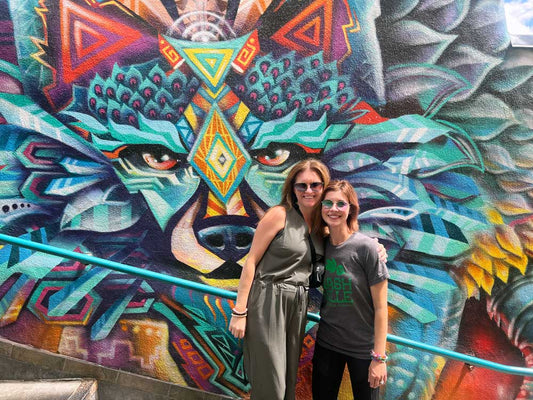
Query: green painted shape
(66,299)
(266,185)
(211,48)
(37,266)
(314,134)
(10,69)
(411,308)
(431,244)
(20,110)
(162,210)
(87,122)
(149,132)
(422,282)
(205,58)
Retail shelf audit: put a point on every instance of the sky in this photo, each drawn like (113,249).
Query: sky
(519,15)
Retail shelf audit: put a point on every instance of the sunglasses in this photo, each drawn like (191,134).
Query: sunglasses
(302,187)
(340,204)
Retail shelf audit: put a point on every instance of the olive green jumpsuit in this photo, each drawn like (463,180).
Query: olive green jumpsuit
(277,309)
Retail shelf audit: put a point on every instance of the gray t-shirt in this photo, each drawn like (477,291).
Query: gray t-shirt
(347,311)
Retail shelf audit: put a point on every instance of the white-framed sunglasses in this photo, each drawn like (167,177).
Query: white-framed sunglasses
(341,205)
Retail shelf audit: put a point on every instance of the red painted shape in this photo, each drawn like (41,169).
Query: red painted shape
(90,38)
(246,55)
(479,336)
(371,117)
(310,31)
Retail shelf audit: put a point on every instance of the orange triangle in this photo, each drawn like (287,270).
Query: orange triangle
(310,31)
(78,26)
(314,26)
(89,39)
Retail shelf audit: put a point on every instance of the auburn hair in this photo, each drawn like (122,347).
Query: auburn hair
(288,198)
(343,186)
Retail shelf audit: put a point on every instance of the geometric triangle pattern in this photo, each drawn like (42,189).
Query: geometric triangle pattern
(249,128)
(310,32)
(83,40)
(211,61)
(89,39)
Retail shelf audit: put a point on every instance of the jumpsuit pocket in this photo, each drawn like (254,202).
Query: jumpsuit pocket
(255,293)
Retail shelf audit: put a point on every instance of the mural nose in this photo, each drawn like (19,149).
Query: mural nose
(229,242)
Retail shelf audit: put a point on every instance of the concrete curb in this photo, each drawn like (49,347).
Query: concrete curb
(62,389)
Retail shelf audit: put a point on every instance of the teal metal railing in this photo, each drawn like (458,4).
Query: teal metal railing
(184,283)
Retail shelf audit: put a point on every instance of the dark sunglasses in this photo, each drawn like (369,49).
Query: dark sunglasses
(340,204)
(302,187)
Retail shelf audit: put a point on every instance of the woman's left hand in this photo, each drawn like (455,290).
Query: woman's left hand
(377,374)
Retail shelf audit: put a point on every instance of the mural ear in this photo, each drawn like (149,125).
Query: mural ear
(79,39)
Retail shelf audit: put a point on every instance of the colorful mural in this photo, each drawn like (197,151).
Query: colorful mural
(157,132)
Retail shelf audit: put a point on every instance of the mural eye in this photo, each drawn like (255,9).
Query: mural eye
(277,154)
(275,158)
(162,161)
(152,157)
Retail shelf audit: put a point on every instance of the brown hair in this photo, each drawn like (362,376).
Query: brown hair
(288,198)
(343,186)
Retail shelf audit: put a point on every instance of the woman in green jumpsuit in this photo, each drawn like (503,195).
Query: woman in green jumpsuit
(271,307)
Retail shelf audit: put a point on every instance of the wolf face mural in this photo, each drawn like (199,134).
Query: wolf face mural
(157,133)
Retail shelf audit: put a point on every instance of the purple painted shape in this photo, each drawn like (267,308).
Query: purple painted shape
(195,369)
(8,84)
(341,17)
(8,50)
(88,40)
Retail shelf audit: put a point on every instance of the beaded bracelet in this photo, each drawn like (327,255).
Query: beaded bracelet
(378,357)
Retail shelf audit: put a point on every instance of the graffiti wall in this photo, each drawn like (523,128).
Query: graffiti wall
(156,133)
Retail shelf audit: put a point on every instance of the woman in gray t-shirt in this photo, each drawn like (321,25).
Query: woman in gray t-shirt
(353,325)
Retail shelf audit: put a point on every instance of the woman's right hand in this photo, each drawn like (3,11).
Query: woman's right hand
(237,326)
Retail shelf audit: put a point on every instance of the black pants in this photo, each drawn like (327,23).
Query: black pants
(328,368)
